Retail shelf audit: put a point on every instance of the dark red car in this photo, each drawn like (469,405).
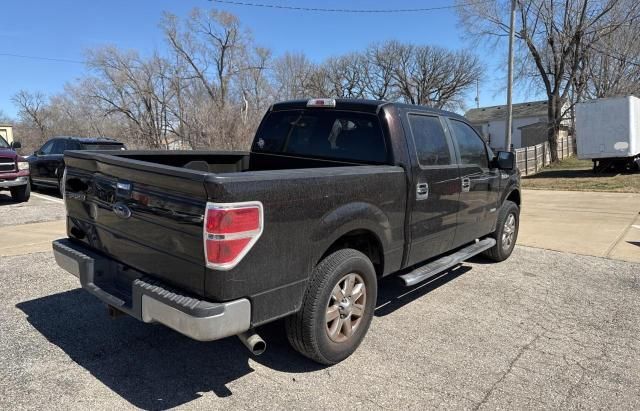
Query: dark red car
(14,171)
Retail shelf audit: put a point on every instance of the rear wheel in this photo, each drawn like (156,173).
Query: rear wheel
(506,232)
(337,308)
(21,193)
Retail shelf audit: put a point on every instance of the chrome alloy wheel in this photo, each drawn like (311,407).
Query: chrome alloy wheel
(345,308)
(509,232)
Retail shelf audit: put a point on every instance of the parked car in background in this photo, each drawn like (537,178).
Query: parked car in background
(47,164)
(14,171)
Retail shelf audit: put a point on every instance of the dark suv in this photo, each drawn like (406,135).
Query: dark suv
(47,164)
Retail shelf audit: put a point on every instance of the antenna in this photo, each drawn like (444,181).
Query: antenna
(477,94)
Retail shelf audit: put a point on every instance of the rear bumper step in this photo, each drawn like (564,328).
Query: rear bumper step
(147,299)
(436,267)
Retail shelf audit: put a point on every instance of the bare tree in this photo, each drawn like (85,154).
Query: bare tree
(212,87)
(292,74)
(138,90)
(434,76)
(32,110)
(378,71)
(344,74)
(613,68)
(555,41)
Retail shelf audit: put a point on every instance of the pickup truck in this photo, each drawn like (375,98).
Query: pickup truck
(14,171)
(333,195)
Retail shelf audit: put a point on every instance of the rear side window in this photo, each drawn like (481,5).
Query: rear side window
(431,142)
(330,134)
(472,148)
(58,147)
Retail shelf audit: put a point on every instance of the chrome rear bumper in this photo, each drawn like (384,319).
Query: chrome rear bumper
(149,300)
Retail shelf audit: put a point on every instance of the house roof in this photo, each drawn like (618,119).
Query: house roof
(541,124)
(529,109)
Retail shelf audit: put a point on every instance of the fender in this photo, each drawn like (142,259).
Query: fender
(347,218)
(511,188)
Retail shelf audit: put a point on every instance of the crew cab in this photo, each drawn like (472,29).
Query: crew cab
(333,195)
(14,171)
(47,162)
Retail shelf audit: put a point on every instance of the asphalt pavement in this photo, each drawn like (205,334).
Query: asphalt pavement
(42,206)
(542,330)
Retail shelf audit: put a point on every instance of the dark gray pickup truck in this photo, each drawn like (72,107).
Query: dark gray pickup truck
(333,195)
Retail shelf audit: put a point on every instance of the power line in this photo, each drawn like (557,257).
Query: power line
(317,9)
(42,58)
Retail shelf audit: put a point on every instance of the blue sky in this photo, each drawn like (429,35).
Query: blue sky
(64,29)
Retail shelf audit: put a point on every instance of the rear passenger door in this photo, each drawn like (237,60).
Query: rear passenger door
(480,184)
(436,187)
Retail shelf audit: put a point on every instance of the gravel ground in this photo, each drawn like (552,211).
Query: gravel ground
(42,206)
(541,330)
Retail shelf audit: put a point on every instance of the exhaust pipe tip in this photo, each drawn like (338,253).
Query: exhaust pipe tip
(253,342)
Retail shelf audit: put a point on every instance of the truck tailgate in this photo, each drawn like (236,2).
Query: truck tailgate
(147,216)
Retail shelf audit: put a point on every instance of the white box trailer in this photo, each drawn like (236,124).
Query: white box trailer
(608,132)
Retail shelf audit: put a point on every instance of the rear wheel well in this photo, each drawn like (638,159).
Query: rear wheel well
(364,241)
(514,197)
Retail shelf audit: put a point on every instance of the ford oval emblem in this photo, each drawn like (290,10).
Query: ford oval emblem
(121,210)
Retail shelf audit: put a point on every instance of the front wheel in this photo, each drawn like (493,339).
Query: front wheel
(337,308)
(506,232)
(21,194)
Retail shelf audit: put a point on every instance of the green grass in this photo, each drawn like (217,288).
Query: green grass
(577,175)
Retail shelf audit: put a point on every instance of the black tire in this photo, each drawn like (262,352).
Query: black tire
(308,330)
(21,194)
(501,251)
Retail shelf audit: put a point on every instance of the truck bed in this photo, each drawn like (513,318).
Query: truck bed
(167,192)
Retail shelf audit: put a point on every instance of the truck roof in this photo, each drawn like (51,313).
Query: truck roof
(367,106)
(89,140)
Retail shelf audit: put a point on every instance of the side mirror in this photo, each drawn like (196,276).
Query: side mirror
(16,144)
(505,160)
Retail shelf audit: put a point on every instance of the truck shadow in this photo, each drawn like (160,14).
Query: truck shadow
(153,367)
(393,294)
(5,198)
(148,365)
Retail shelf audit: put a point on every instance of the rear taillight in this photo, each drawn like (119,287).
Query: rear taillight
(230,230)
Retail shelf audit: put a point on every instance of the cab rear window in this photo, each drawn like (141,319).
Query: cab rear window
(329,134)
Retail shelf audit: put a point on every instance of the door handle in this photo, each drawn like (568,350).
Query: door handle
(466,184)
(422,191)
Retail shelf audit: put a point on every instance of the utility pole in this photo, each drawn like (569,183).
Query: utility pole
(507,135)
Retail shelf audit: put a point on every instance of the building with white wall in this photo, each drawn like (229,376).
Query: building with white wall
(6,131)
(491,121)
